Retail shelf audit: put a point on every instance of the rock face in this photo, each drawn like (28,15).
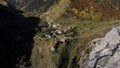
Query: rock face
(105,52)
(30,5)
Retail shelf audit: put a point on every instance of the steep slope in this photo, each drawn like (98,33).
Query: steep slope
(16,38)
(30,5)
(55,11)
(28,48)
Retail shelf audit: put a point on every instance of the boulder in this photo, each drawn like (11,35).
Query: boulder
(52,49)
(105,52)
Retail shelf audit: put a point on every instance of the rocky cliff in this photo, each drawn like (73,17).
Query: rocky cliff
(105,52)
(30,5)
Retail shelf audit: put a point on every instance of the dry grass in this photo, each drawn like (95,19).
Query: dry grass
(56,11)
(2,2)
(41,54)
(87,31)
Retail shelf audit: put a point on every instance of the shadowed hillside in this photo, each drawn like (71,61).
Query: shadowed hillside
(16,38)
(30,5)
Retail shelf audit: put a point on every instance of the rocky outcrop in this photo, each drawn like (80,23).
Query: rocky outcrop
(105,51)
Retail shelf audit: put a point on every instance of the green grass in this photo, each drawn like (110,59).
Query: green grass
(87,31)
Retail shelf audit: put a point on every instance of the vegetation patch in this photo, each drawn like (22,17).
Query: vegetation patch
(95,10)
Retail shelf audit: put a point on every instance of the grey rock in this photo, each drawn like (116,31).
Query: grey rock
(105,52)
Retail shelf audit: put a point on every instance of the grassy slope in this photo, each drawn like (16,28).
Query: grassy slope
(87,30)
(42,50)
(55,11)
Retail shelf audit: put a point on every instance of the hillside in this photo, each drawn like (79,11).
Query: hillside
(53,33)
(16,37)
(96,10)
(30,5)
